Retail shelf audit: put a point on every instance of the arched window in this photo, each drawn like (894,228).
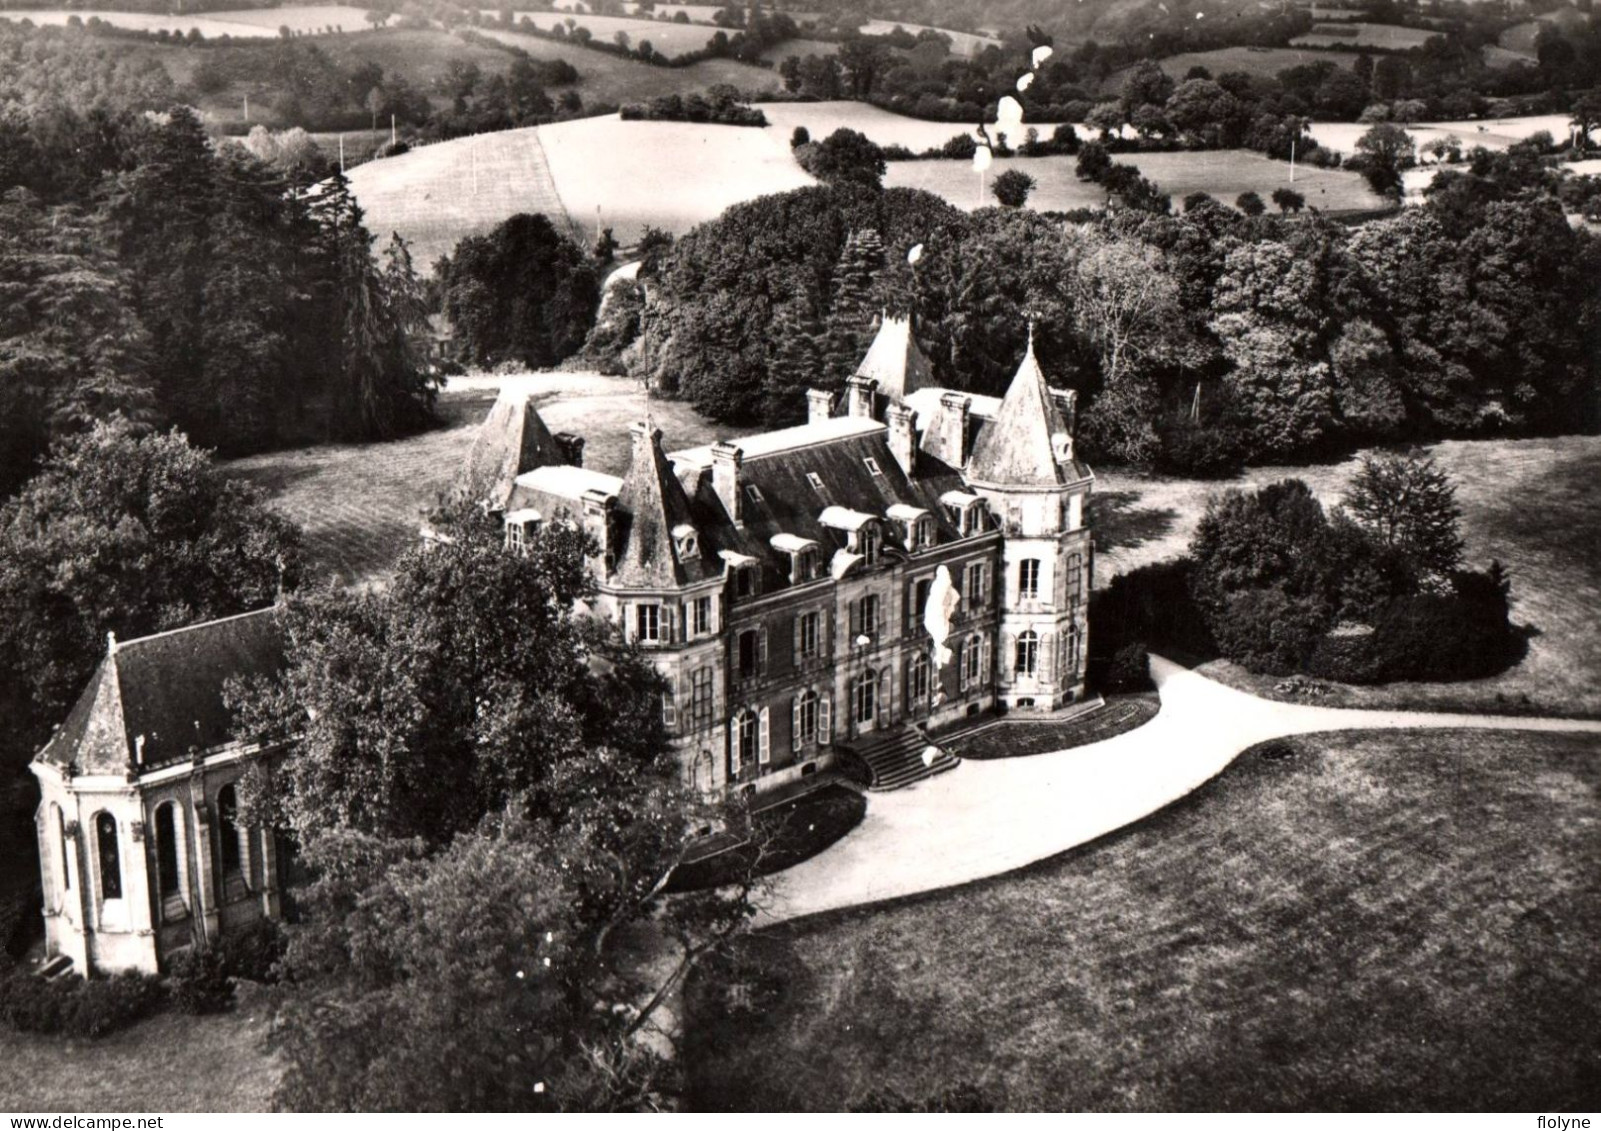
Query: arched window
(1028,654)
(167,849)
(228,831)
(61,846)
(107,853)
(917,670)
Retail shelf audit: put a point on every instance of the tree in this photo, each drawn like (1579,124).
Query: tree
(1586,116)
(126,533)
(1288,200)
(523,292)
(1250,203)
(1408,506)
(1107,117)
(1383,152)
(853,303)
(1093,162)
(844,157)
(1012,187)
(1147,85)
(376,18)
(482,784)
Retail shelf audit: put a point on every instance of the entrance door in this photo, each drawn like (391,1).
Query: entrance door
(864,701)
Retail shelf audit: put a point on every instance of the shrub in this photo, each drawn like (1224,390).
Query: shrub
(198,982)
(77,1007)
(800,137)
(391,149)
(1130,670)
(1213,451)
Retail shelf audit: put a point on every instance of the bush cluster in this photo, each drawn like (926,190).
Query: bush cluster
(77,1007)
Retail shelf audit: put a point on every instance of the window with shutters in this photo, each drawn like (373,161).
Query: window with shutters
(108,855)
(750,654)
(1028,655)
(1028,579)
(864,697)
(701,616)
(808,633)
(976,585)
(917,682)
(805,719)
(700,701)
(648,624)
(975,661)
(744,740)
(864,619)
(1075,579)
(764,744)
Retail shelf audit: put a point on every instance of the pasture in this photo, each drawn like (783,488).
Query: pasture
(1552,548)
(962,42)
(1223,173)
(1261,62)
(665,36)
(607,79)
(247,23)
(436,195)
(1382,921)
(1492,133)
(1358,35)
(881,126)
(360,505)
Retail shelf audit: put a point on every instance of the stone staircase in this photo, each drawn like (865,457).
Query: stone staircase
(894,758)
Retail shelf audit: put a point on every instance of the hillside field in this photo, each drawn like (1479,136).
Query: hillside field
(962,42)
(665,36)
(1384,37)
(1492,133)
(245,23)
(1261,62)
(880,126)
(1223,173)
(1386,921)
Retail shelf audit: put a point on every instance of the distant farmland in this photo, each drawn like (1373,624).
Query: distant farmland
(1261,62)
(1383,37)
(252,23)
(1223,173)
(665,36)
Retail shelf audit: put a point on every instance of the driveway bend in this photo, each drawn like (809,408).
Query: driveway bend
(987,818)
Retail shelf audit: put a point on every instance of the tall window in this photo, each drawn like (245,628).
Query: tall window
(1028,579)
(750,654)
(228,830)
(66,860)
(974,660)
(702,615)
(1070,657)
(1028,654)
(805,721)
(1075,579)
(514,536)
(917,669)
(976,585)
(107,853)
(648,623)
(872,538)
(167,849)
(920,600)
(745,740)
(701,697)
(742,581)
(808,629)
(864,697)
(864,616)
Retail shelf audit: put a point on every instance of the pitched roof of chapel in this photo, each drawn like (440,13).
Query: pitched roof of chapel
(896,361)
(511,441)
(1029,442)
(166,690)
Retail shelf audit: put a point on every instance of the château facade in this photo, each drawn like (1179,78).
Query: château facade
(907,557)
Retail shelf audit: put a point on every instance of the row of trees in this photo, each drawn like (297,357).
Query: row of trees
(1203,339)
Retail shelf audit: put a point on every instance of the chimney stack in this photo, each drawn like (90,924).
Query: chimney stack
(571,446)
(859,397)
(954,420)
(598,507)
(819,405)
(902,439)
(726,458)
(644,441)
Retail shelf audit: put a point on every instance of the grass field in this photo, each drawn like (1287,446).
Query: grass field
(881,126)
(250,23)
(360,505)
(1552,546)
(437,194)
(1388,37)
(171,1062)
(1223,173)
(1377,922)
(665,36)
(1492,133)
(962,42)
(1263,62)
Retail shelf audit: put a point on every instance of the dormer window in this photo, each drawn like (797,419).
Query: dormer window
(917,527)
(742,572)
(965,511)
(521,526)
(804,557)
(872,541)
(685,544)
(925,532)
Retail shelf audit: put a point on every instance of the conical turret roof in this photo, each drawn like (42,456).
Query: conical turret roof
(512,440)
(656,512)
(896,361)
(1029,443)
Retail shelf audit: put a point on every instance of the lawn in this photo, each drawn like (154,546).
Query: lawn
(252,23)
(171,1062)
(1552,547)
(360,505)
(1223,173)
(1387,37)
(789,832)
(1384,921)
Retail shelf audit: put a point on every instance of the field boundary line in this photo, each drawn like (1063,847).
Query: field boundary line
(550,175)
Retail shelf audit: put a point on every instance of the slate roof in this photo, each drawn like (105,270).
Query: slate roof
(785,502)
(896,361)
(511,441)
(166,688)
(651,504)
(1020,446)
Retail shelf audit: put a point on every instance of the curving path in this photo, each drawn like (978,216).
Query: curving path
(986,818)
